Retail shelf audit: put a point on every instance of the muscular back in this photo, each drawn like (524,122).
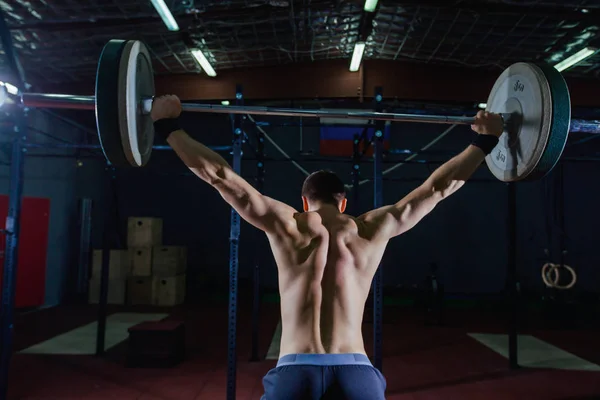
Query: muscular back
(326,260)
(326,264)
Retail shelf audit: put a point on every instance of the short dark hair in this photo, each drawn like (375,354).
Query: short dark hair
(325,187)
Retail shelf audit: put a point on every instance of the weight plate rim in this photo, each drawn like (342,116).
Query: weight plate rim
(561,122)
(548,100)
(107,115)
(143,51)
(131,123)
(545,123)
(123,105)
(3,95)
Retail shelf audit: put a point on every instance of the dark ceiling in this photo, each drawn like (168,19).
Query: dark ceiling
(59,41)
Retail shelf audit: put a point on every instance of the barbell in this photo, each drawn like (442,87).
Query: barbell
(533,100)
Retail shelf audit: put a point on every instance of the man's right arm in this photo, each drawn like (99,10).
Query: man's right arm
(393,220)
(263,212)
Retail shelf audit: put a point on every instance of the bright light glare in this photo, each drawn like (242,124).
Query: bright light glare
(199,56)
(165,14)
(12,89)
(575,58)
(370,5)
(359,50)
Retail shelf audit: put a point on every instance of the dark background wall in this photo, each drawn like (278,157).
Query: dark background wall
(52,176)
(466,236)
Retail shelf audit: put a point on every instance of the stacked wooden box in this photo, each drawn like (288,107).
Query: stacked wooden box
(153,274)
(118,271)
(157,271)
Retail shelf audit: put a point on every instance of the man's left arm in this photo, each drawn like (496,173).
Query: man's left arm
(393,220)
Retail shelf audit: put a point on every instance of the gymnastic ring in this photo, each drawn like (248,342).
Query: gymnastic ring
(555,268)
(573,278)
(546,274)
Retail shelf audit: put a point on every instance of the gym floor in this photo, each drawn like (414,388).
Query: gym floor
(420,362)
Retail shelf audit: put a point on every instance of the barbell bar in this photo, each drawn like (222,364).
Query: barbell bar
(533,99)
(98,147)
(75,102)
(66,101)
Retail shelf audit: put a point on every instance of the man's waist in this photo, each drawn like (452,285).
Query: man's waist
(324,359)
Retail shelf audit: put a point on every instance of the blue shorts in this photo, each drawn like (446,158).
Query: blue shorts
(324,376)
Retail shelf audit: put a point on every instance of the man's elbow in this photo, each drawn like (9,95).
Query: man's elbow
(440,190)
(209,173)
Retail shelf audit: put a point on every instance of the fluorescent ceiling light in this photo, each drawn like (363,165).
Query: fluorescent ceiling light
(199,56)
(225,102)
(359,50)
(12,89)
(165,14)
(370,5)
(575,58)
(482,105)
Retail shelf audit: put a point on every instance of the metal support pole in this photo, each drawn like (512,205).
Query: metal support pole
(83,259)
(108,230)
(12,229)
(356,156)
(103,299)
(260,182)
(301,135)
(561,214)
(378,202)
(234,238)
(13,217)
(511,275)
(562,296)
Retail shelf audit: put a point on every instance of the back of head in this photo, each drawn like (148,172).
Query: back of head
(324,187)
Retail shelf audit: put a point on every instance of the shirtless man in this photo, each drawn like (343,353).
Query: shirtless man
(326,259)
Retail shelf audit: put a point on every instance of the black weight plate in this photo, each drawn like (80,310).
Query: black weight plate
(523,91)
(561,122)
(539,97)
(107,103)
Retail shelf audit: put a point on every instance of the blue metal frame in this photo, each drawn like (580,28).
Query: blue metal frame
(13,219)
(356,156)
(260,183)
(378,202)
(234,238)
(561,213)
(108,230)
(511,277)
(83,259)
(577,125)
